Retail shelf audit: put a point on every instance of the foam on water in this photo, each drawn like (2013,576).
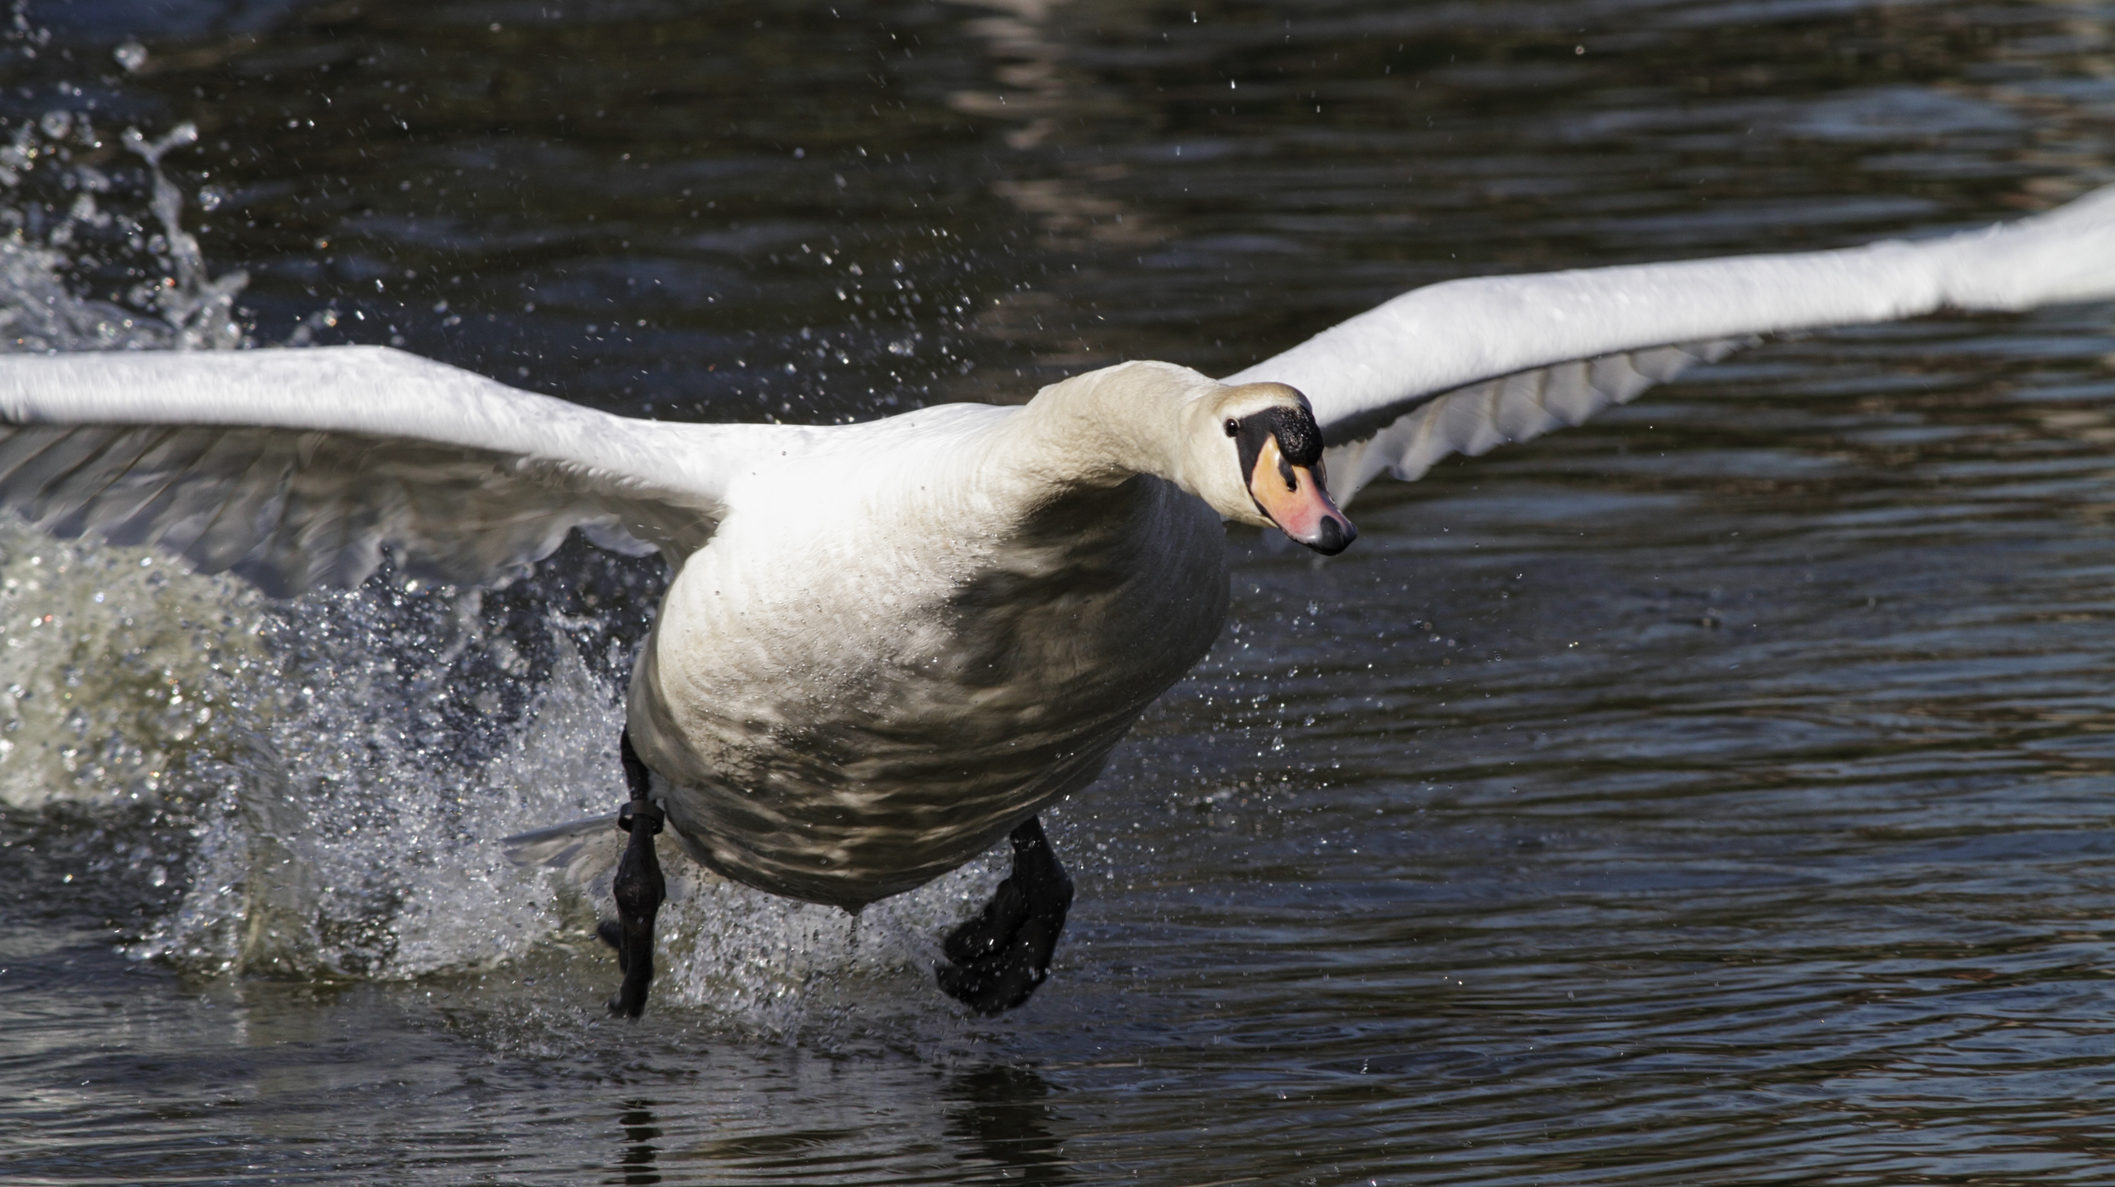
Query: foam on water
(327,780)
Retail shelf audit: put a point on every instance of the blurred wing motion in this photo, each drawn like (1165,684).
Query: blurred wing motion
(1467,365)
(294,467)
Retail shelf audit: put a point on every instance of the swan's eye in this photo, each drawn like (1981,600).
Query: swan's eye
(1233,427)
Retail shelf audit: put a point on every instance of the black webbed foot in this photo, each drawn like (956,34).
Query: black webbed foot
(996,960)
(639,889)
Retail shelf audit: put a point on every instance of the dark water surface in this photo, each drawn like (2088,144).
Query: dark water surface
(1714,794)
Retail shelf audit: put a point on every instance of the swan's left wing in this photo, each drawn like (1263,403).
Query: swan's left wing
(294,468)
(1467,365)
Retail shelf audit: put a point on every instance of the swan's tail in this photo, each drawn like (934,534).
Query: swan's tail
(584,852)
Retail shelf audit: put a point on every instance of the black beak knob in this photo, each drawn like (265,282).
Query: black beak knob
(1333,536)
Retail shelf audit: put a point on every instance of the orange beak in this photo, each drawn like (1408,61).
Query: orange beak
(1294,499)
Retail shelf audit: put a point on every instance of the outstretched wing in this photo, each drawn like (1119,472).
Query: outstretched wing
(294,467)
(1466,365)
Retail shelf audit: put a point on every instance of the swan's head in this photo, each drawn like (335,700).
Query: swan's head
(1251,450)
(1268,470)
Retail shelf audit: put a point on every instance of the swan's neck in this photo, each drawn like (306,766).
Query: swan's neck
(1102,429)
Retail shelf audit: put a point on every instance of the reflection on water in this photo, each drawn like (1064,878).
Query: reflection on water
(636,1163)
(1002,1121)
(1713,794)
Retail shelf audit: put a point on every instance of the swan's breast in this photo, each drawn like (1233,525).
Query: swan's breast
(855,711)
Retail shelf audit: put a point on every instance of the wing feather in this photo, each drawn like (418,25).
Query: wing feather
(157,478)
(296,468)
(75,470)
(115,491)
(1479,417)
(1468,365)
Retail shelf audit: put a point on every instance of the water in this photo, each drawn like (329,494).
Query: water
(1711,794)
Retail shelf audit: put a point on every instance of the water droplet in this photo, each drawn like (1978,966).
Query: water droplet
(131,55)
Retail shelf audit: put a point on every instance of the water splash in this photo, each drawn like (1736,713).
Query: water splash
(198,307)
(54,225)
(348,836)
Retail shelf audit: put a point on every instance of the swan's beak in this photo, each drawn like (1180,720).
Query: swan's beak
(1294,499)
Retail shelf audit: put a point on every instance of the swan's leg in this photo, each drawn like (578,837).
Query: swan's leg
(998,958)
(639,888)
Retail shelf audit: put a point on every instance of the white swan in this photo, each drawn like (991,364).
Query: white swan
(888,644)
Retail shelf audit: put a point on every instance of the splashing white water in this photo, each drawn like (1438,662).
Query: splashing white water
(353,842)
(331,776)
(178,305)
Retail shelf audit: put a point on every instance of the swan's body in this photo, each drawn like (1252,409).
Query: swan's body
(844,712)
(886,645)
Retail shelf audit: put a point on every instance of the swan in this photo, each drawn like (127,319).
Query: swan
(886,645)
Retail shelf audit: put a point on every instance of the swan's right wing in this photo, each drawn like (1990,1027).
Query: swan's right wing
(1405,441)
(294,468)
(1467,365)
